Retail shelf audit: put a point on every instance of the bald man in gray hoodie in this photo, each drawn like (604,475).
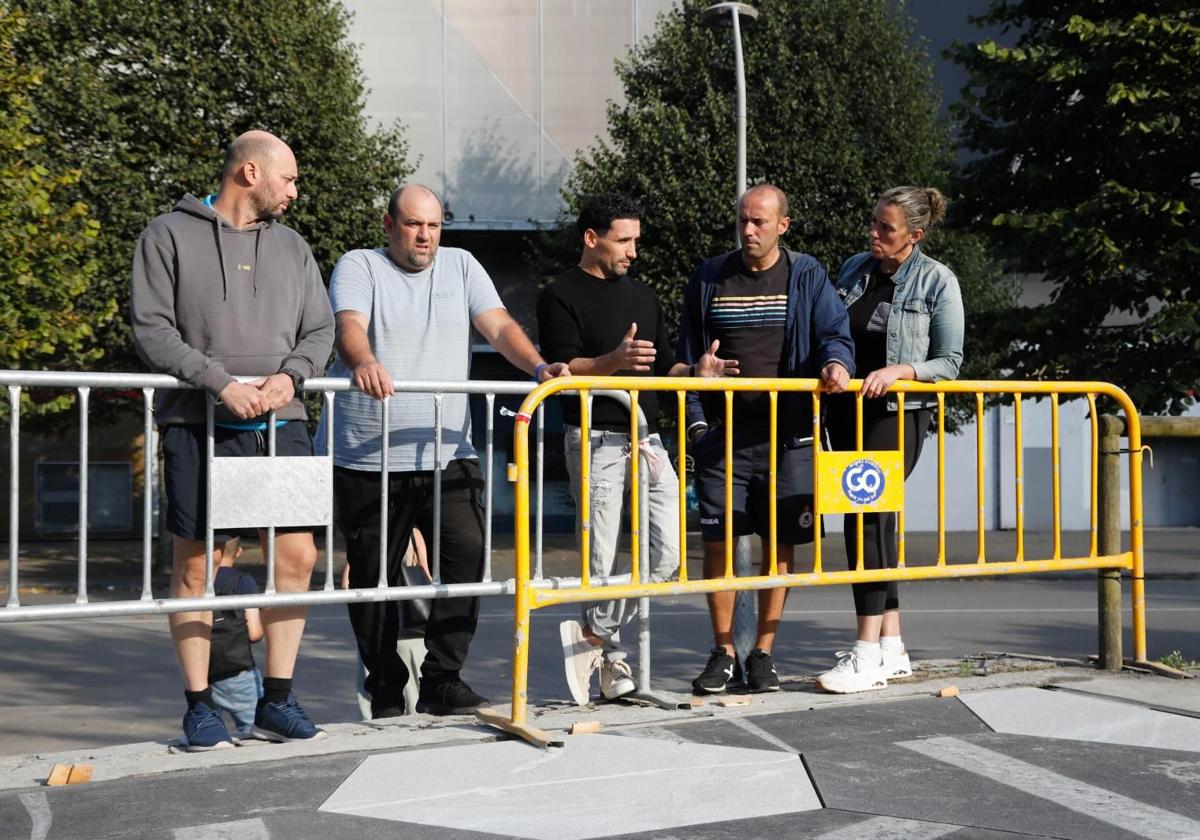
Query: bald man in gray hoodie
(222,289)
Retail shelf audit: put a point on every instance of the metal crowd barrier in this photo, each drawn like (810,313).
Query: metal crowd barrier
(280,484)
(829,469)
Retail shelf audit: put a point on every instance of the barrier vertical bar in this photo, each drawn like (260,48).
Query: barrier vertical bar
(209,450)
(541,488)
(270,587)
(1134,431)
(585,487)
(1019,477)
(941,479)
(903,499)
(816,480)
(385,445)
(1108,581)
(681,435)
(981,546)
(773,489)
(436,567)
(489,449)
(14,489)
(635,501)
(328,395)
(1055,476)
(521,604)
(147,490)
(858,444)
(81,592)
(729,484)
(1095,473)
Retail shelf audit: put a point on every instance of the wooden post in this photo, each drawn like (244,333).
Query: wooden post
(1109,541)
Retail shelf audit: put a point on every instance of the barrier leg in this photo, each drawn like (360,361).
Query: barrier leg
(1109,580)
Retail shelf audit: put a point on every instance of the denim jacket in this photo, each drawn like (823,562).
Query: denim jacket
(817,332)
(926,326)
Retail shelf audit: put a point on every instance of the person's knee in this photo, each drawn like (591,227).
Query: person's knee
(294,564)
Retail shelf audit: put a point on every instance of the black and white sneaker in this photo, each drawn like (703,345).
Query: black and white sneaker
(760,672)
(717,673)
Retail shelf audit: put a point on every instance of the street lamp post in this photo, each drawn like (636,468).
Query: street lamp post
(734,15)
(718,16)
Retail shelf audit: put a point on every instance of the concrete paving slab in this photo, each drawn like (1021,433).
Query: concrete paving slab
(511,789)
(827,728)
(1133,814)
(1062,714)
(824,825)
(1147,689)
(889,780)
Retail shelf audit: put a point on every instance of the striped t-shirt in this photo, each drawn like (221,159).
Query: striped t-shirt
(420,328)
(748,315)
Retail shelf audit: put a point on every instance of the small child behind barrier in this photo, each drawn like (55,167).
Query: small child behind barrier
(234,678)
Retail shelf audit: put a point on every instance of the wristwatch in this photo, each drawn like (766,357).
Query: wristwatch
(296,376)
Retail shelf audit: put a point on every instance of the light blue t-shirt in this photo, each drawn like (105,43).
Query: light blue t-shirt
(420,328)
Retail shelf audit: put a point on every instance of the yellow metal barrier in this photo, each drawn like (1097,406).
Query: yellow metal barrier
(826,466)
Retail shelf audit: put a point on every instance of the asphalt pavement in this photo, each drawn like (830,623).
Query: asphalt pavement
(1031,747)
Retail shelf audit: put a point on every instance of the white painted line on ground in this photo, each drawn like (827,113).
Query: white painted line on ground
(39,814)
(747,725)
(254,829)
(890,828)
(1105,805)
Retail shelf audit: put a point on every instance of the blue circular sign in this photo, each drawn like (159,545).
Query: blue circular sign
(863,481)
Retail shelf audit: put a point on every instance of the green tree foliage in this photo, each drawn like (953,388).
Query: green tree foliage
(46,240)
(144,95)
(840,107)
(1085,131)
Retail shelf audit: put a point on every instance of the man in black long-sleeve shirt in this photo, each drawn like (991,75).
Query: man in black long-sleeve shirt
(602,322)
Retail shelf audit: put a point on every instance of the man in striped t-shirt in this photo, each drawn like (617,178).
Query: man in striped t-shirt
(776,312)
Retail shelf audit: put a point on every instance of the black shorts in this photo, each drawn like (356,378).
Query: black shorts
(751,489)
(184,469)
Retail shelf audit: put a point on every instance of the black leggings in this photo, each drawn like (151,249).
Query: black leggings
(879,529)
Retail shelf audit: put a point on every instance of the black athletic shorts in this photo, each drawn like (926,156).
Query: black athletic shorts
(751,488)
(184,469)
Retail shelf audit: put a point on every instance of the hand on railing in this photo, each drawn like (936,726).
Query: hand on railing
(834,377)
(277,390)
(553,370)
(373,379)
(245,400)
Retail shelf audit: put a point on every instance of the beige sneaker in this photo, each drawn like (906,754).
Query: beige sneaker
(580,659)
(616,680)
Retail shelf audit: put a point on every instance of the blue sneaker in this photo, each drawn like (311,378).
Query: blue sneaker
(283,722)
(204,730)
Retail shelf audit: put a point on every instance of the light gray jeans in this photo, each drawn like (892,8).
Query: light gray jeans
(609,480)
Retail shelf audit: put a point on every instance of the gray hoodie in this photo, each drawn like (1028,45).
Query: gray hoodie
(210,302)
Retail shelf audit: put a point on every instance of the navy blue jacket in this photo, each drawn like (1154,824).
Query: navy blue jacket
(817,332)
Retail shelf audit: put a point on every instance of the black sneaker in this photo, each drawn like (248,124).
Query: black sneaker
(386,708)
(717,673)
(453,697)
(760,672)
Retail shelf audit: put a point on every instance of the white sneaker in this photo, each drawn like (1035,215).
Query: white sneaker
(896,664)
(616,680)
(852,674)
(580,659)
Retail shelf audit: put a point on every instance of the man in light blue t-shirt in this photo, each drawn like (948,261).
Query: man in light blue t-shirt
(405,312)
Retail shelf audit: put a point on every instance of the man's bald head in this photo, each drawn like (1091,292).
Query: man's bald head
(260,147)
(413,224)
(409,190)
(767,192)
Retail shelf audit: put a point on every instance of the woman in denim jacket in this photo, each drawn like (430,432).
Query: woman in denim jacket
(906,318)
